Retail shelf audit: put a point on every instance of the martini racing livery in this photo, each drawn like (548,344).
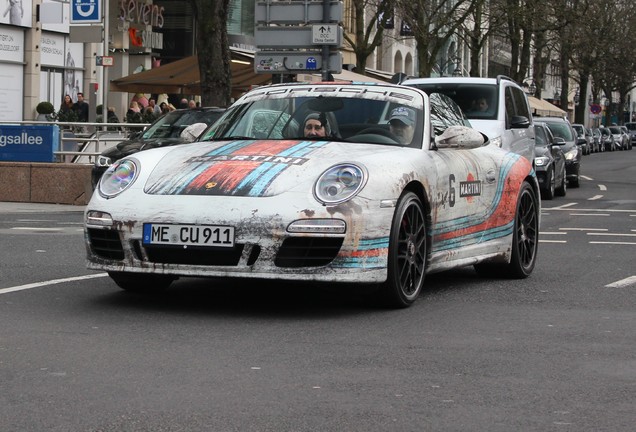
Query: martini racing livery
(396,185)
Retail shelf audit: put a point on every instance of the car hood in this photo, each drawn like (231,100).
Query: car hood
(126,148)
(255,168)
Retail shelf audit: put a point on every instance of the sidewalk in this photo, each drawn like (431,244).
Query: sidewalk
(26,207)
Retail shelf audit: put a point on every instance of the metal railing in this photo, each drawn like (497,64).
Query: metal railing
(82,142)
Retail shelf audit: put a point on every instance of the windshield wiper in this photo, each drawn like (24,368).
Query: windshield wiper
(230,138)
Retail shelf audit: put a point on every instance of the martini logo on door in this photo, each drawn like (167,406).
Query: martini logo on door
(469,188)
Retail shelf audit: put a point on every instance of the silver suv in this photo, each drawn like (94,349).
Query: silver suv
(497,107)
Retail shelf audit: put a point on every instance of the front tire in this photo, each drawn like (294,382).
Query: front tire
(525,239)
(407,254)
(563,188)
(548,193)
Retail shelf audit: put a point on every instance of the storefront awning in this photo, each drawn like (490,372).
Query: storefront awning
(182,77)
(541,107)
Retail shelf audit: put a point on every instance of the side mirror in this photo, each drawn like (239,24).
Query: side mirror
(519,122)
(558,141)
(461,137)
(192,132)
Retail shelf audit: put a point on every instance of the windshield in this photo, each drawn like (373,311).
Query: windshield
(323,112)
(172,124)
(561,130)
(478,101)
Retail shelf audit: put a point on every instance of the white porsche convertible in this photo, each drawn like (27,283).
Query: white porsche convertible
(336,182)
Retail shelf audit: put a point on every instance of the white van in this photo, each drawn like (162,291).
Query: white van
(497,107)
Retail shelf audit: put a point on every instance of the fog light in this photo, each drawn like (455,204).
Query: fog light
(322,226)
(99,218)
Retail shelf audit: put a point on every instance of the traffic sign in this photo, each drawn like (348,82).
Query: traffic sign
(269,12)
(86,11)
(325,34)
(298,37)
(104,60)
(595,108)
(295,61)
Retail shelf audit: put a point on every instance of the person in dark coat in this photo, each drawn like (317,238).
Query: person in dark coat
(81,108)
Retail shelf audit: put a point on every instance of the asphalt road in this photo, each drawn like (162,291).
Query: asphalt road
(554,352)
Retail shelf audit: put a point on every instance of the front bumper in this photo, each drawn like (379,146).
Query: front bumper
(264,248)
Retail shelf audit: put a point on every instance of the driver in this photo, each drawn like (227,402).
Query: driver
(316,125)
(402,124)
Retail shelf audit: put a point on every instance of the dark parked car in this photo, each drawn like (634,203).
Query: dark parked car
(561,128)
(631,127)
(165,131)
(582,138)
(549,161)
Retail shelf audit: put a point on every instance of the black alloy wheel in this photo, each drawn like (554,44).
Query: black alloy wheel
(407,253)
(525,240)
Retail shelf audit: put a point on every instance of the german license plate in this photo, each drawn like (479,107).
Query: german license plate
(188,235)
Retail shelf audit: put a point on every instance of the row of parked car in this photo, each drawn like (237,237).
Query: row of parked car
(560,145)
(610,138)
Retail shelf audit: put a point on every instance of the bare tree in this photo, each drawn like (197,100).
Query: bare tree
(433,23)
(367,36)
(213,51)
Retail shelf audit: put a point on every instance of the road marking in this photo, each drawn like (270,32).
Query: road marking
(622,283)
(586,177)
(595,197)
(551,233)
(589,214)
(613,243)
(37,229)
(564,207)
(583,229)
(602,187)
(35,220)
(50,282)
(611,234)
(552,241)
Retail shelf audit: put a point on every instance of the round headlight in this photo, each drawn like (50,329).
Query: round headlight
(118,178)
(339,183)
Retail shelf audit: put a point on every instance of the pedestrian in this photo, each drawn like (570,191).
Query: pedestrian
(112,116)
(183,104)
(133,115)
(192,104)
(81,108)
(67,105)
(149,115)
(155,108)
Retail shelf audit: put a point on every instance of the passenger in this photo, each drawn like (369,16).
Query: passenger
(316,125)
(479,105)
(402,124)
